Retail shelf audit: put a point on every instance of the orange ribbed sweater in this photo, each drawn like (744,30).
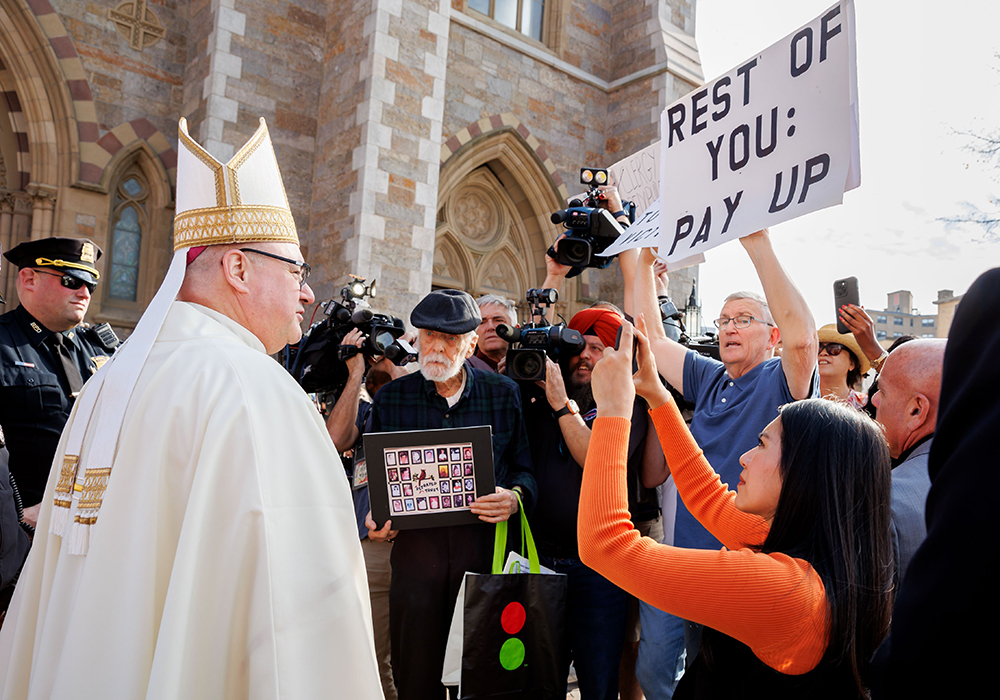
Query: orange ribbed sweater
(773,603)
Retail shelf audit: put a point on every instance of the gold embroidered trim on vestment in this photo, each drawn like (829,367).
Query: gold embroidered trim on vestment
(95,480)
(67,475)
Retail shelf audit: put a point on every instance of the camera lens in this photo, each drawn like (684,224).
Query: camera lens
(528,365)
(574,251)
(383,340)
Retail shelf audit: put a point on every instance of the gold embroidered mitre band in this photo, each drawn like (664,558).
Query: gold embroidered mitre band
(240,201)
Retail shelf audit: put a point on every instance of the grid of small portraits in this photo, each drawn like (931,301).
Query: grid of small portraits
(430,479)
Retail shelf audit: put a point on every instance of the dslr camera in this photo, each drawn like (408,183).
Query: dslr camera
(531,344)
(591,229)
(319,365)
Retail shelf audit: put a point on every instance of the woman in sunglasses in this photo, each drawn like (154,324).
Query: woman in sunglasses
(841,366)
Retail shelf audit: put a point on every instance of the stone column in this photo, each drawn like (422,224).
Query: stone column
(43,204)
(378,146)
(207,106)
(6,225)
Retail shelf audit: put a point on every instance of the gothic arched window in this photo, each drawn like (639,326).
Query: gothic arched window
(129,220)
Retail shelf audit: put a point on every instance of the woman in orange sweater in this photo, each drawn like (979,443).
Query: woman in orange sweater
(799,598)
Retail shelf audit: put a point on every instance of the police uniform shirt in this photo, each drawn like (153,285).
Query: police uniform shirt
(35,394)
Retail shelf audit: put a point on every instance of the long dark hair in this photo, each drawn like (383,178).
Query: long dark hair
(853,374)
(833,512)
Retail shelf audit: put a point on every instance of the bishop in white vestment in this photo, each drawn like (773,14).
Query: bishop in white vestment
(213,553)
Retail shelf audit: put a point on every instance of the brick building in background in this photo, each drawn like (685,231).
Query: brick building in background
(422,142)
(900,318)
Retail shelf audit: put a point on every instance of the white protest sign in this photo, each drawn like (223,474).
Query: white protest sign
(771,140)
(637,177)
(648,224)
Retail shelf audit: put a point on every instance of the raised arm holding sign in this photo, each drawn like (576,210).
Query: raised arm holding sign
(772,139)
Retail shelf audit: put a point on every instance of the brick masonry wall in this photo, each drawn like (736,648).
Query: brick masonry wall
(282,54)
(380,138)
(128,84)
(338,133)
(359,95)
(486,77)
(250,59)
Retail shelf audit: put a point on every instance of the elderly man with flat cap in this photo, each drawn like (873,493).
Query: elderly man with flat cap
(429,564)
(45,355)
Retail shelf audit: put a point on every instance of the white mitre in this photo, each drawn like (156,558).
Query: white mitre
(242,201)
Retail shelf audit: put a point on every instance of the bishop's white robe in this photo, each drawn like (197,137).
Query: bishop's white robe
(225,561)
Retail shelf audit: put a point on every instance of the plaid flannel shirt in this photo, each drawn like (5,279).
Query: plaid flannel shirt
(412,403)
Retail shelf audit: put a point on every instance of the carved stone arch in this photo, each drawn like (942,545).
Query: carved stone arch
(479,217)
(29,53)
(141,152)
(504,272)
(122,142)
(452,263)
(501,157)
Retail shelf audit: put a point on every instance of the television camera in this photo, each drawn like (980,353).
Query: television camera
(319,365)
(591,229)
(531,344)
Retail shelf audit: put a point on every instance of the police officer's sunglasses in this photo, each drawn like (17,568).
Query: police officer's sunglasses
(69,281)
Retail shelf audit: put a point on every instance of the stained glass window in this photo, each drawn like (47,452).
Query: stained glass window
(128,220)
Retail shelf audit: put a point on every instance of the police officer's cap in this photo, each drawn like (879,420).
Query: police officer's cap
(74,256)
(446,311)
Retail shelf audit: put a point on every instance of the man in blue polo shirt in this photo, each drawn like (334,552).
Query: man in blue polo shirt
(734,399)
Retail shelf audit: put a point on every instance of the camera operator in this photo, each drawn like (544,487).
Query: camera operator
(607,198)
(558,414)
(346,424)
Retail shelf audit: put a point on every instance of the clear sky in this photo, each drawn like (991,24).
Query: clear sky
(925,70)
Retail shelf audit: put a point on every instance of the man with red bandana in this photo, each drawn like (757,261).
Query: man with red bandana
(558,414)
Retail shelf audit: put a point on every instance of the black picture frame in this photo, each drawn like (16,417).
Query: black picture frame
(425,477)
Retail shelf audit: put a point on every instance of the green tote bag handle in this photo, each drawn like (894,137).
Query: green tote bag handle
(500,543)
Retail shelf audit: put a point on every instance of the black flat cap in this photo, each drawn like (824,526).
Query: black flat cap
(446,311)
(74,256)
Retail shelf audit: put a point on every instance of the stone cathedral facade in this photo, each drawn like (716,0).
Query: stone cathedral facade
(423,143)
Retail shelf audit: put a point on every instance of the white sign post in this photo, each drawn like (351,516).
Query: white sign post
(771,140)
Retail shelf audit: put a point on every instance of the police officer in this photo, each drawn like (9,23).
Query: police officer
(14,542)
(46,355)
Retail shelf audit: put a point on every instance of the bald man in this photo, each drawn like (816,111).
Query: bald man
(906,406)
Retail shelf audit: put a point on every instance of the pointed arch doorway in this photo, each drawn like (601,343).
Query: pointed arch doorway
(493,225)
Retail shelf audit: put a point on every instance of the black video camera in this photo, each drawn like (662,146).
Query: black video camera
(319,366)
(591,228)
(530,345)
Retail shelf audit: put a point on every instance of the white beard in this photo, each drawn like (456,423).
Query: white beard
(447,369)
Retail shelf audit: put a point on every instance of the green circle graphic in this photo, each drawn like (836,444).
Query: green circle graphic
(512,654)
